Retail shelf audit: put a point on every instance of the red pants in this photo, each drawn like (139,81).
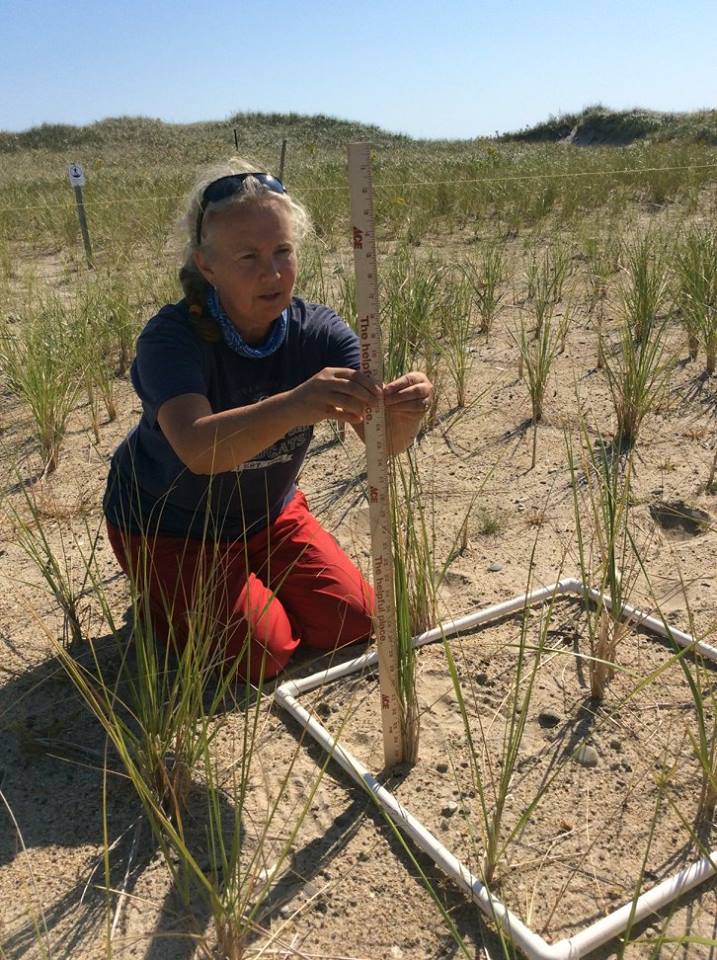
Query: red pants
(288,584)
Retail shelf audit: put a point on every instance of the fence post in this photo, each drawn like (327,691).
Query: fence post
(281,160)
(76,174)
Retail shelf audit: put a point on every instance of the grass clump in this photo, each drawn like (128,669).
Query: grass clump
(457,336)
(638,375)
(490,522)
(546,274)
(412,298)
(601,487)
(39,361)
(484,277)
(644,294)
(65,568)
(414,585)
(418,576)
(537,357)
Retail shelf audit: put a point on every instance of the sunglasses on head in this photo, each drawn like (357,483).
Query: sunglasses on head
(229,186)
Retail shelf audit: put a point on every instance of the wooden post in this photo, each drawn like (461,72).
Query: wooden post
(77,180)
(281,160)
(236,140)
(83,225)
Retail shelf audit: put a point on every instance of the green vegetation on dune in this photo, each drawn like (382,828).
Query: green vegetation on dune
(600,125)
(595,124)
(253,129)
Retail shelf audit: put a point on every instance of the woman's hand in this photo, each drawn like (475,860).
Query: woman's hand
(406,401)
(408,398)
(335,393)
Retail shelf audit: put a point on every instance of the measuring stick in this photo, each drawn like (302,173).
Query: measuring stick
(369,331)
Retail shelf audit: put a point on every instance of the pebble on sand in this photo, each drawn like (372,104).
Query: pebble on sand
(549,718)
(587,756)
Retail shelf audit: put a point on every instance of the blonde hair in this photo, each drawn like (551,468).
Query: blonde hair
(193,283)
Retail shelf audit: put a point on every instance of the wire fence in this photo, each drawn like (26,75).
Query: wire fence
(403,185)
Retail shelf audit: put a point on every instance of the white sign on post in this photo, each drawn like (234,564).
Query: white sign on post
(76,173)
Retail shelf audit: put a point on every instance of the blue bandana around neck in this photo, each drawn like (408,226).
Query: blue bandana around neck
(234,339)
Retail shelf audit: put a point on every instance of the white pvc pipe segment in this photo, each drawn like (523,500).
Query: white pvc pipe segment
(422,837)
(447,629)
(532,945)
(639,618)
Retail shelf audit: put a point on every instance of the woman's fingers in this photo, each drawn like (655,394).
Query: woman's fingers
(409,397)
(344,394)
(412,391)
(345,416)
(358,384)
(352,392)
(337,393)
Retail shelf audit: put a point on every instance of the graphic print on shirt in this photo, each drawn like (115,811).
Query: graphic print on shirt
(279,452)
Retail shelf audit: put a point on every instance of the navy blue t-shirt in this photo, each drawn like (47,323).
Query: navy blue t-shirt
(149,488)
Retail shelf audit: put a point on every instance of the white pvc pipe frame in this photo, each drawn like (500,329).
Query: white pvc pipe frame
(531,944)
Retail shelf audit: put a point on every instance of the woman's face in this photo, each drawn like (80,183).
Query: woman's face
(251,260)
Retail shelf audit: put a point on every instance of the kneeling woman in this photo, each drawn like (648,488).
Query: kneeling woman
(202,505)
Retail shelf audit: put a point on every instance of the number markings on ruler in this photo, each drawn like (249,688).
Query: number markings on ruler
(369,332)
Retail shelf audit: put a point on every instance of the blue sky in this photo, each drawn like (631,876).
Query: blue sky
(434,69)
